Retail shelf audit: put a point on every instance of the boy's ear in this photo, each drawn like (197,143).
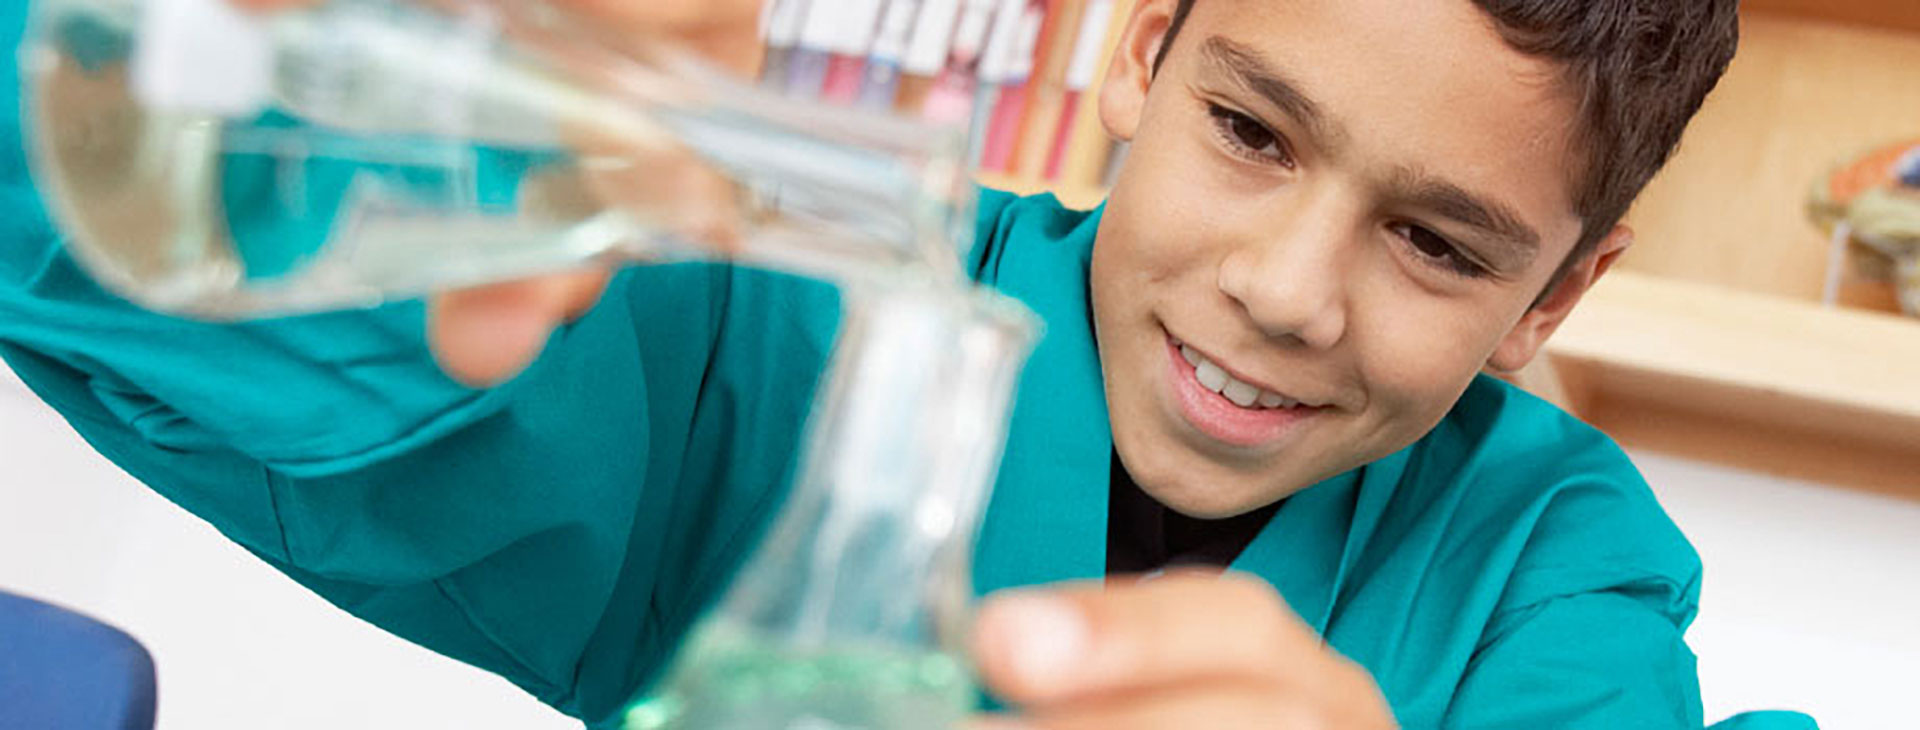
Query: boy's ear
(1523,342)
(1123,96)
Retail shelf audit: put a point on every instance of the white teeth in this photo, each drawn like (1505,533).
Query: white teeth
(1193,357)
(1214,378)
(1210,376)
(1241,394)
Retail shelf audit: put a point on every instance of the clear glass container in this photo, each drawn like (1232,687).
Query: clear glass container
(221,164)
(850,614)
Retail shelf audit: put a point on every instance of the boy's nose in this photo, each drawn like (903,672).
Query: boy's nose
(1290,286)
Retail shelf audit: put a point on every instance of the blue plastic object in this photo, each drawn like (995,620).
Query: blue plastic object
(1908,170)
(1768,720)
(59,669)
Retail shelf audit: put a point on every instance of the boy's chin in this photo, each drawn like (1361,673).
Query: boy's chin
(1216,504)
(1210,492)
(1197,484)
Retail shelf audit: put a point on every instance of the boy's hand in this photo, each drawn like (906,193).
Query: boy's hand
(485,335)
(1188,650)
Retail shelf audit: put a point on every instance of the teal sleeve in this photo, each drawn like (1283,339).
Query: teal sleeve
(1552,665)
(562,534)
(561,531)
(1598,660)
(1589,630)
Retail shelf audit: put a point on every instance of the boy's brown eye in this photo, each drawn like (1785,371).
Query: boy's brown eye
(1436,250)
(1430,243)
(1249,132)
(1248,136)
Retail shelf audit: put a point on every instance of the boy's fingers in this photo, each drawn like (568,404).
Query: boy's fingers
(1054,646)
(485,335)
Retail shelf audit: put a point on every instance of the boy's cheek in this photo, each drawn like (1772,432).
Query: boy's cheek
(1409,390)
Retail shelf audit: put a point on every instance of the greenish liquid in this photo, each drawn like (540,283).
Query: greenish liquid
(729,679)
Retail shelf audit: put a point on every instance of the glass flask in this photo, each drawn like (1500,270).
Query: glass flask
(215,163)
(849,616)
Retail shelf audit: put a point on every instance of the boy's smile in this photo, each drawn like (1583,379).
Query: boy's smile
(1234,409)
(1334,215)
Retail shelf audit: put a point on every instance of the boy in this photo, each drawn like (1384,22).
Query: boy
(1335,215)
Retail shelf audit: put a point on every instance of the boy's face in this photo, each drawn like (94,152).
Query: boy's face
(1347,203)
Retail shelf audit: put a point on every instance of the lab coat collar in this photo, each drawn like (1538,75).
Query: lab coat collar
(1047,520)
(1310,546)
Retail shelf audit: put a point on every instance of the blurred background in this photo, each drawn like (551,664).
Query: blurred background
(1751,353)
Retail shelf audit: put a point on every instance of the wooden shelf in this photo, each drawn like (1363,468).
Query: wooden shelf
(1709,340)
(1886,14)
(1751,380)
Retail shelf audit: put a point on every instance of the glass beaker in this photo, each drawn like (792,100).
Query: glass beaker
(221,164)
(849,615)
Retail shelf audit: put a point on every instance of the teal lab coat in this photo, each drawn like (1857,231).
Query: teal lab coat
(565,529)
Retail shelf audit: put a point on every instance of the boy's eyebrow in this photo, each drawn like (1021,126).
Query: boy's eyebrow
(1519,241)
(1246,66)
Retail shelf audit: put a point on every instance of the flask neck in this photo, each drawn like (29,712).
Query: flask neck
(902,449)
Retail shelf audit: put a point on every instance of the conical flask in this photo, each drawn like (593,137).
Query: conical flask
(849,616)
(221,164)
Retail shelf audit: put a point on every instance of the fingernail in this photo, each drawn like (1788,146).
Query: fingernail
(1047,637)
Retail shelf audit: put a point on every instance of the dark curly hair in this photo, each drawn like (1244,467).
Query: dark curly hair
(1641,70)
